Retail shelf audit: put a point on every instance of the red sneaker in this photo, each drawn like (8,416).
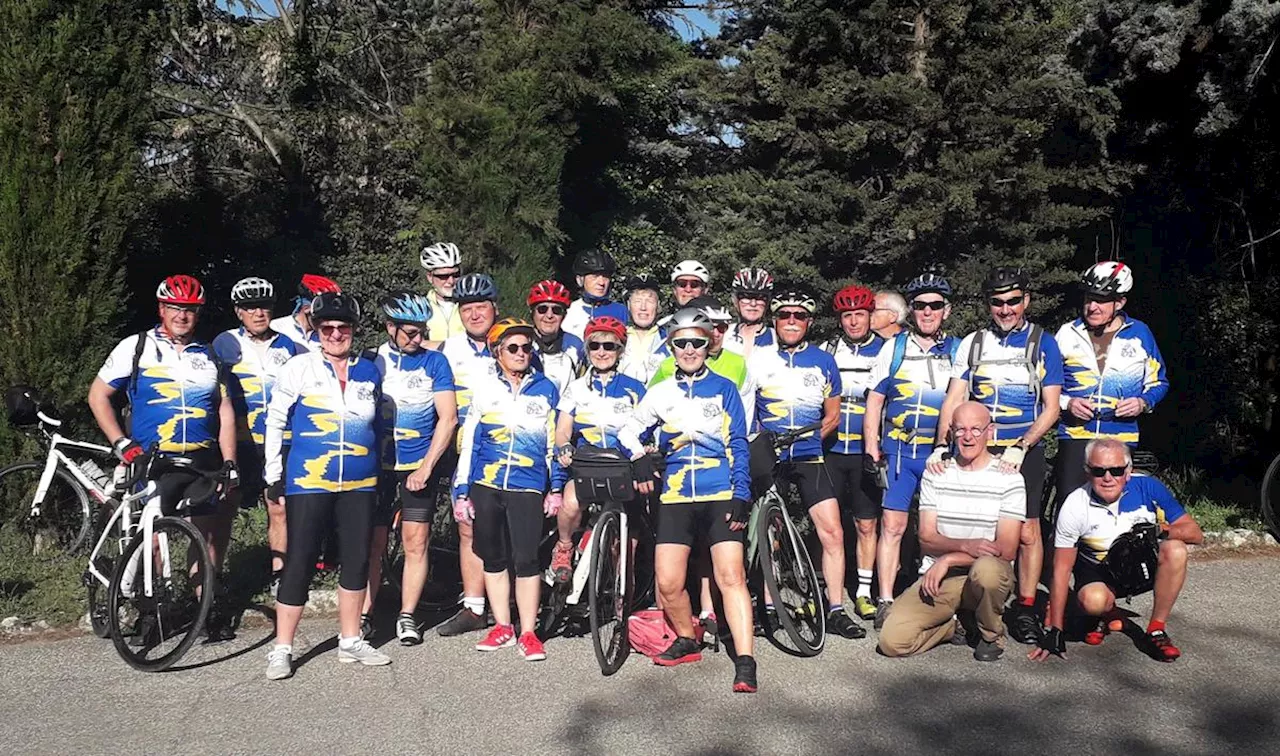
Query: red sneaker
(1099,632)
(1165,650)
(531,648)
(501,636)
(562,562)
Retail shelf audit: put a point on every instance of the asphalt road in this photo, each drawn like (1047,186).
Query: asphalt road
(76,696)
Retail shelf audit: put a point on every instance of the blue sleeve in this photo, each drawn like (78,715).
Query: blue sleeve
(1155,381)
(556,471)
(441,373)
(737,443)
(1162,498)
(225,350)
(834,386)
(1050,360)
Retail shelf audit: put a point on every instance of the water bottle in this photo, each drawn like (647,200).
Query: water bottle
(95,473)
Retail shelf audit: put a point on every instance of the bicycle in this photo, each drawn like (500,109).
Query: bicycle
(441,559)
(1271,496)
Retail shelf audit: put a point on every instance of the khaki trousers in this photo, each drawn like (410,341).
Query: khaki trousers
(915,625)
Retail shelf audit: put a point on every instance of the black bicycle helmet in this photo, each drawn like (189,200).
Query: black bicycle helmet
(927,283)
(594,261)
(475,287)
(334,305)
(1003,278)
(642,282)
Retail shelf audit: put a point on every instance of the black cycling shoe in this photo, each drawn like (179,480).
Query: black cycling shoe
(217,628)
(986,651)
(744,675)
(843,625)
(144,631)
(1024,627)
(465,621)
(766,621)
(366,626)
(681,651)
(882,613)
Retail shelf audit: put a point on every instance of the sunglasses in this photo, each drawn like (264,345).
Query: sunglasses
(799,315)
(1099,472)
(608,346)
(689,283)
(514,348)
(411,334)
(446,275)
(543,309)
(1010,302)
(695,342)
(340,330)
(922,306)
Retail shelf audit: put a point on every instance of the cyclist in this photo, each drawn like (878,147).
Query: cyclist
(702,432)
(558,354)
(330,400)
(752,289)
(297,326)
(469,357)
(719,359)
(594,271)
(443,263)
(889,318)
(645,346)
(909,383)
(252,356)
(689,279)
(1013,368)
(799,384)
(591,411)
(419,415)
(855,349)
(501,482)
(180,406)
(1113,372)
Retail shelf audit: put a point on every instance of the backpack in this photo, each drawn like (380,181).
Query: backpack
(900,351)
(1030,359)
(649,632)
(123,400)
(1132,560)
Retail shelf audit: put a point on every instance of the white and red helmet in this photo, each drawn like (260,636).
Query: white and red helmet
(1107,279)
(180,290)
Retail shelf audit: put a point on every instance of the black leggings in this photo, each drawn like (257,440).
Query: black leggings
(1068,468)
(309,519)
(507,529)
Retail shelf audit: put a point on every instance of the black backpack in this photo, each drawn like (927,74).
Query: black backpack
(122,400)
(1132,560)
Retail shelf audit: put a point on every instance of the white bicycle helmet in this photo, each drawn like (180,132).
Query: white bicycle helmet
(252,291)
(693,269)
(441,255)
(689,317)
(1107,279)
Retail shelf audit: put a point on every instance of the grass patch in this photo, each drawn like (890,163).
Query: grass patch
(1207,502)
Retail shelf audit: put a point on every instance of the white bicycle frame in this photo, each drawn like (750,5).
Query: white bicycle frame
(128,531)
(582,572)
(57,458)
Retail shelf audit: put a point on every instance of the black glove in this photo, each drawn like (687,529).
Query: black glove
(127,449)
(230,475)
(1051,640)
(1145,530)
(275,490)
(643,468)
(739,512)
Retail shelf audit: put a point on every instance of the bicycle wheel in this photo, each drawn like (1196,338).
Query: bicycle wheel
(98,598)
(610,593)
(393,556)
(791,580)
(151,633)
(1271,497)
(63,525)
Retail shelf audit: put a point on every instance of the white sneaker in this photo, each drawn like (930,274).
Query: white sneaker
(362,652)
(280,663)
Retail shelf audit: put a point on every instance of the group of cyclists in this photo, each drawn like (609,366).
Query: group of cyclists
(333,440)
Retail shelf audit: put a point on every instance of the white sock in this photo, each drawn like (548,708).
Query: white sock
(286,647)
(347,643)
(474,604)
(864,583)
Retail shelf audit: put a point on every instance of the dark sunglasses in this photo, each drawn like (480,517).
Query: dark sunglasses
(1010,302)
(608,346)
(543,309)
(329,330)
(514,348)
(799,315)
(689,283)
(447,275)
(921,306)
(697,342)
(1099,472)
(411,335)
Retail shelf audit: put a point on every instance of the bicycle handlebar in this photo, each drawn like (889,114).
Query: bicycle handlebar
(787,438)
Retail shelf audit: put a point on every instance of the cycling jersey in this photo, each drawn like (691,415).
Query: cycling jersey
(914,393)
(446,318)
(335,431)
(289,327)
(471,363)
(855,363)
(1003,382)
(581,312)
(1133,368)
(644,352)
(175,397)
(410,383)
(600,409)
(1088,524)
(792,385)
(729,364)
(702,432)
(734,341)
(509,436)
(251,369)
(561,359)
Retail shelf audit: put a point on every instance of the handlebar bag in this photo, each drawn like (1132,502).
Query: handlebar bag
(602,475)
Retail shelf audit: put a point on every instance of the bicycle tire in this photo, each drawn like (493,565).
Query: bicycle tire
(65,513)
(164,612)
(788,572)
(609,598)
(98,599)
(1271,496)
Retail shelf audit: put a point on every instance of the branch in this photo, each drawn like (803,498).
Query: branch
(1253,242)
(283,13)
(237,113)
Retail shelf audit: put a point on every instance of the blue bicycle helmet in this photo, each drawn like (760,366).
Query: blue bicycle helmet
(928,283)
(406,307)
(475,287)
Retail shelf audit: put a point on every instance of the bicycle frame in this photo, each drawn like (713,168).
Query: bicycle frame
(57,457)
(753,537)
(128,530)
(583,569)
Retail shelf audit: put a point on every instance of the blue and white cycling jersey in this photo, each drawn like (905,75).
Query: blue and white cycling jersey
(1133,368)
(791,387)
(335,431)
(734,341)
(289,327)
(509,436)
(410,383)
(1002,382)
(251,369)
(562,364)
(581,312)
(644,352)
(914,393)
(472,364)
(599,409)
(855,363)
(175,397)
(1088,524)
(702,432)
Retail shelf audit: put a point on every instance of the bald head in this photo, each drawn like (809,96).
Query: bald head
(971,429)
(971,414)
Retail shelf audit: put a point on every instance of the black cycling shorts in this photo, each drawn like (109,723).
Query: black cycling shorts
(1086,572)
(173,486)
(855,488)
(507,529)
(415,506)
(697,521)
(810,479)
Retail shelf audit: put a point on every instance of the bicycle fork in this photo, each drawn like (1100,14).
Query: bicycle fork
(153,546)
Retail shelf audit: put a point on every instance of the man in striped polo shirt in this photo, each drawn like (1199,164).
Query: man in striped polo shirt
(970,516)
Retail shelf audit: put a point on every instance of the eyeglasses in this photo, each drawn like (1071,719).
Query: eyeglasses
(543,309)
(721,327)
(694,342)
(978,431)
(799,315)
(1010,302)
(340,330)
(919,306)
(1102,472)
(689,283)
(445,275)
(514,348)
(181,308)
(411,334)
(608,346)
(1101,298)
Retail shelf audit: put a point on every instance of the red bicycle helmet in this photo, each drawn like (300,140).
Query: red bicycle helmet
(311,285)
(854,298)
(548,291)
(183,290)
(606,324)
